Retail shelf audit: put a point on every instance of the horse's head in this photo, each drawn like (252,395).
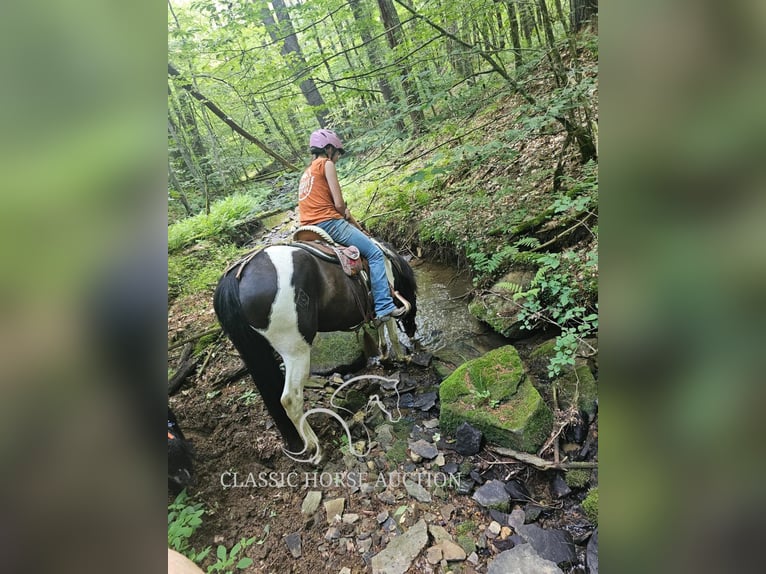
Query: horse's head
(404,283)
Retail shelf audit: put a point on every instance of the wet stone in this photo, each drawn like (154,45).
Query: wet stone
(551,544)
(500,517)
(517,490)
(424,449)
(468,439)
(476,476)
(520,560)
(559,487)
(293,542)
(493,495)
(422,359)
(591,553)
(425,402)
(532,512)
(450,468)
(465,486)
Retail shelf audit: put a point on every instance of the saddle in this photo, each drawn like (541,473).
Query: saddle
(317,242)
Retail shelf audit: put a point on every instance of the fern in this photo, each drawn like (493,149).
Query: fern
(530,242)
(509,286)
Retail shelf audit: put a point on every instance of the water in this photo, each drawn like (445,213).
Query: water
(443,320)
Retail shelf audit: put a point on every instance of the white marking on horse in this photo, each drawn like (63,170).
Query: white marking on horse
(284,335)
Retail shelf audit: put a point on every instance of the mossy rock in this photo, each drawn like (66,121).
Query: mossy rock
(498,310)
(339,352)
(579,380)
(495,394)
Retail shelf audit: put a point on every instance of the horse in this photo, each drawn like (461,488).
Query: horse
(278,300)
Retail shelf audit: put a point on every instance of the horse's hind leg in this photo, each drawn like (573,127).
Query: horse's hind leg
(297,367)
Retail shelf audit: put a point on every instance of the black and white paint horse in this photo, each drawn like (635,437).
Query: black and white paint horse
(277,301)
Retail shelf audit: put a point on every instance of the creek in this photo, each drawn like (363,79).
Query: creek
(444,323)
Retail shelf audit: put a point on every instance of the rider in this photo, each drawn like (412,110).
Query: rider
(321,203)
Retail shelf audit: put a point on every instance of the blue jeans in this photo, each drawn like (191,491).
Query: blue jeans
(346,234)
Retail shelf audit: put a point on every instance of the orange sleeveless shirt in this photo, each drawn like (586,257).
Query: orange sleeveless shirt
(314,197)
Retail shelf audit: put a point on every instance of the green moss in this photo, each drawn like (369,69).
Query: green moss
(492,377)
(466,543)
(467,527)
(577,478)
(397,453)
(494,394)
(590,505)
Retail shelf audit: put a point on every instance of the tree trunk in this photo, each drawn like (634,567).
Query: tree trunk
(583,13)
(291,50)
(230,122)
(178,188)
(514,26)
(395,37)
(376,61)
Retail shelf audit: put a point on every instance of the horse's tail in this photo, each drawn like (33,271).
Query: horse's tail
(257,354)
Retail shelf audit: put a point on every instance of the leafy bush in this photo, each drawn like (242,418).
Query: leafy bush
(561,295)
(183,520)
(224,215)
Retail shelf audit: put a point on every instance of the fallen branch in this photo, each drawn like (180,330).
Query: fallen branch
(193,338)
(540,463)
(185,367)
(230,376)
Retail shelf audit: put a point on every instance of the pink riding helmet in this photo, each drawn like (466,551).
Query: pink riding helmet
(321,138)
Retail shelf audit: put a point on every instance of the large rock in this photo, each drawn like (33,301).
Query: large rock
(522,559)
(591,553)
(552,544)
(340,352)
(499,311)
(495,394)
(401,551)
(578,382)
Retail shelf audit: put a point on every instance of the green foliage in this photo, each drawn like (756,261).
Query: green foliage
(199,269)
(590,505)
(184,519)
(230,560)
(562,293)
(224,215)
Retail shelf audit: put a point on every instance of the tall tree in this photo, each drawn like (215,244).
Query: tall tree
(395,37)
(376,60)
(284,32)
(230,122)
(583,12)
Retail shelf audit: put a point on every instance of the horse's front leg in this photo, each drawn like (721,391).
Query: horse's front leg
(296,372)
